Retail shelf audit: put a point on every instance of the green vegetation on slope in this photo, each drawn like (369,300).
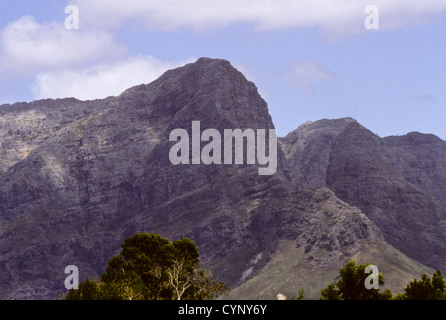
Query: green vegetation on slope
(291,270)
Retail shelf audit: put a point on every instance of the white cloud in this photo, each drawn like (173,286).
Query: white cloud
(27,46)
(89,63)
(306,75)
(332,16)
(100,81)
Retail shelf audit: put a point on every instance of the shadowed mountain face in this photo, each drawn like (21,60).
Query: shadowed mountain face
(77,178)
(398,182)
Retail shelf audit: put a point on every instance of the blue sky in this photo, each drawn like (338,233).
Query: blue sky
(309,59)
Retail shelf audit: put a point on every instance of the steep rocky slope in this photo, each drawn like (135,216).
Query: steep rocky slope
(398,182)
(402,197)
(307,150)
(77,178)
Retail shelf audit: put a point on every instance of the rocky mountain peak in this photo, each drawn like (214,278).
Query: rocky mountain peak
(209,90)
(78,177)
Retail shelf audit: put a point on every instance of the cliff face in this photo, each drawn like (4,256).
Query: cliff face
(398,182)
(77,178)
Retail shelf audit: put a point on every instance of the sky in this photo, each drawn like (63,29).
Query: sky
(382,62)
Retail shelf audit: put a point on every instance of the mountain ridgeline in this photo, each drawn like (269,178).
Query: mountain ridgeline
(78,177)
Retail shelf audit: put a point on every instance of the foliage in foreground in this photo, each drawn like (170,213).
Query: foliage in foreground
(350,286)
(150,267)
(425,289)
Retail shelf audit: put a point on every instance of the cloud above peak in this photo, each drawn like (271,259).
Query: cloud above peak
(100,80)
(27,46)
(55,59)
(306,75)
(332,16)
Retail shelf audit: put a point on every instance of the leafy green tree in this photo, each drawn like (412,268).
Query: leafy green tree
(88,290)
(299,296)
(150,267)
(425,288)
(331,292)
(351,285)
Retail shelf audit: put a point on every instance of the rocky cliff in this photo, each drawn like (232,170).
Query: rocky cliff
(77,178)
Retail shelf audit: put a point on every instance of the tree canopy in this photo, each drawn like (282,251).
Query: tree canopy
(150,267)
(351,285)
(425,288)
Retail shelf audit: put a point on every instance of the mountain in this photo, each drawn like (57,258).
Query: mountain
(78,177)
(398,183)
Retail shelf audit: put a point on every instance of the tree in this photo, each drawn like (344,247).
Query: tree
(299,296)
(351,285)
(426,288)
(330,293)
(150,267)
(88,290)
